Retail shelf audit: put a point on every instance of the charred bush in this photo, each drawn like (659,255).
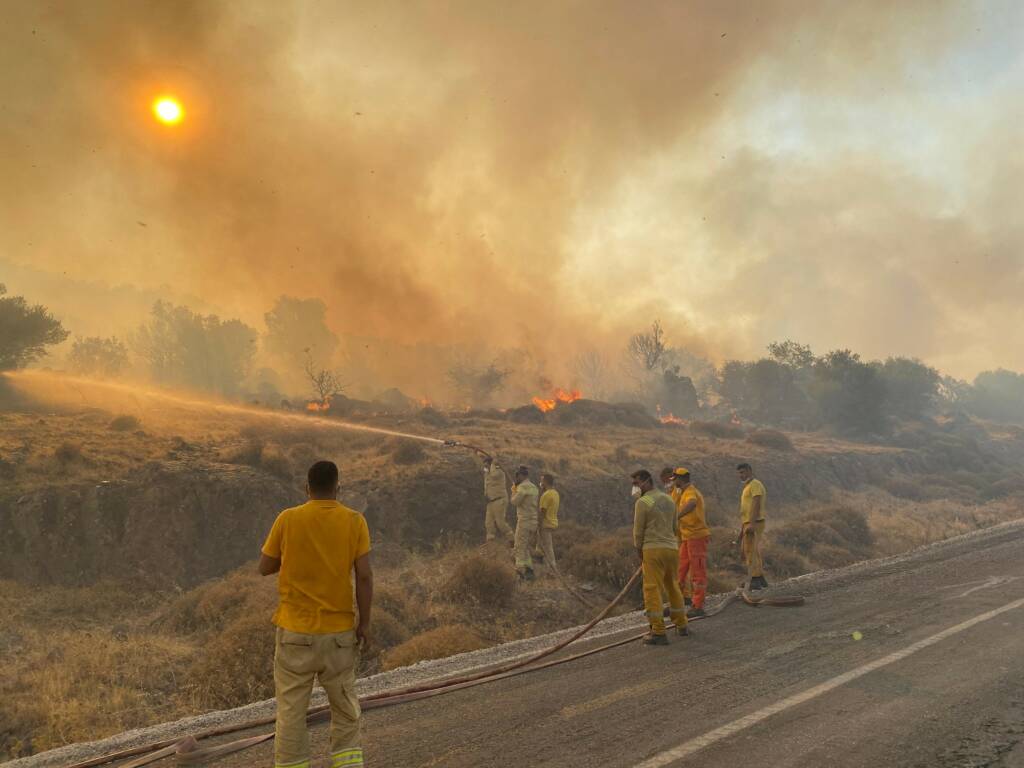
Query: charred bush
(408,452)
(717,429)
(771,438)
(68,453)
(124,423)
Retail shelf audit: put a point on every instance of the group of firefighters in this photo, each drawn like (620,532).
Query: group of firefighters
(670,533)
(320,552)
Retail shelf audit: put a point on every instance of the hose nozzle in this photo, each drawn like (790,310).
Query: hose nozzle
(452,443)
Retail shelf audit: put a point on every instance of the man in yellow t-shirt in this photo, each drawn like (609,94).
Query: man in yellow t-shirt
(314,548)
(549,502)
(752,518)
(694,536)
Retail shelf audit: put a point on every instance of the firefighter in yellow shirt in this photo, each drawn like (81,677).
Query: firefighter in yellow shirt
(314,548)
(752,517)
(549,502)
(694,536)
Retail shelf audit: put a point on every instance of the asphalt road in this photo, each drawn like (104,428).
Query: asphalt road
(765,686)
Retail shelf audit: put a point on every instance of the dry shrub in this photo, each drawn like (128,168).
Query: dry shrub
(247,454)
(124,423)
(435,644)
(609,560)
(68,453)
(408,452)
(482,581)
(274,461)
(622,456)
(829,556)
(385,630)
(432,417)
(784,563)
(236,666)
(904,488)
(213,606)
(719,429)
(771,438)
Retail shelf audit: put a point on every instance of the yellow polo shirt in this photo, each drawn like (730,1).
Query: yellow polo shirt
(317,544)
(750,490)
(549,501)
(693,525)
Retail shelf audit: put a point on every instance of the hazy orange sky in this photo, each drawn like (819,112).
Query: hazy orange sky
(536,174)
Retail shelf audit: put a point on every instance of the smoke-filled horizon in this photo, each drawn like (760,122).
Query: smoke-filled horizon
(544,177)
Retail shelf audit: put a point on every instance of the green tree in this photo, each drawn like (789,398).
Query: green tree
(95,356)
(850,394)
(25,331)
(182,348)
(911,387)
(998,395)
(295,326)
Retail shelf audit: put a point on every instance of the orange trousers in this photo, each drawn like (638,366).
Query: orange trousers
(693,563)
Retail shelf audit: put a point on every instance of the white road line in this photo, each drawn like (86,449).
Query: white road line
(687,748)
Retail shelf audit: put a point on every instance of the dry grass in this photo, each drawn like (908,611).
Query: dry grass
(480,580)
(771,438)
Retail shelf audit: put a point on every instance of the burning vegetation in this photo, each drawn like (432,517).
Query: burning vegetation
(558,396)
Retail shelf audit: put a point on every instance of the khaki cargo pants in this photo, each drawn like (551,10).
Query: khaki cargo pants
(495,522)
(546,546)
(298,660)
(521,546)
(659,569)
(751,548)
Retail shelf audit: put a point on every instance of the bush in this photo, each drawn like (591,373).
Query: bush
(236,666)
(608,560)
(717,429)
(247,454)
(481,581)
(385,630)
(435,644)
(902,488)
(68,453)
(125,423)
(275,462)
(784,563)
(433,417)
(408,452)
(770,438)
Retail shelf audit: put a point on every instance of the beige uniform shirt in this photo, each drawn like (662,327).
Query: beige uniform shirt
(494,484)
(525,501)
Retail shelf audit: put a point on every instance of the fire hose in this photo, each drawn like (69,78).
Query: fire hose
(186,751)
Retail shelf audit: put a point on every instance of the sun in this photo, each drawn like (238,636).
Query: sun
(168,110)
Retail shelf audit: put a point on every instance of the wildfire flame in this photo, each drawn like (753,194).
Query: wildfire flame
(558,396)
(670,418)
(425,402)
(314,407)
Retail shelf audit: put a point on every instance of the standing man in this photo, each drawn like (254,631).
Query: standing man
(497,501)
(656,542)
(524,499)
(549,502)
(752,511)
(313,548)
(667,477)
(694,536)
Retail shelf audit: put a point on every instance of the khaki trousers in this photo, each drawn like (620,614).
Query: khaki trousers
(494,522)
(521,545)
(546,545)
(298,660)
(659,568)
(751,548)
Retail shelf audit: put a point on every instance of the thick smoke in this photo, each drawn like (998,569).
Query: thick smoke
(455,174)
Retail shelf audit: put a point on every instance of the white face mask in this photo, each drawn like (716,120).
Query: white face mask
(636,490)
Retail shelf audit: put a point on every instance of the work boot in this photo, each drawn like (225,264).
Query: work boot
(682,631)
(758,582)
(666,611)
(652,639)
(687,601)
(695,613)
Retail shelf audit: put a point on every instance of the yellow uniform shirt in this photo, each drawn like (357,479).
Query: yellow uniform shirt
(750,490)
(654,521)
(549,501)
(693,525)
(318,544)
(524,499)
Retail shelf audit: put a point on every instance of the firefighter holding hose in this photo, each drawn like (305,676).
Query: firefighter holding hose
(657,544)
(496,495)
